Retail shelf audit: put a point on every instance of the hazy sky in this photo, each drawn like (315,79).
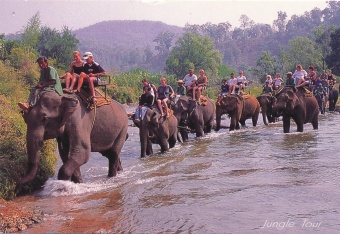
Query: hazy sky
(14,14)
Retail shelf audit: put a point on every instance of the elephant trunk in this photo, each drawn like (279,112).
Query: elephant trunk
(34,145)
(218,118)
(264,115)
(143,141)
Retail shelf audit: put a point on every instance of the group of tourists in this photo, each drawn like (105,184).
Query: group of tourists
(235,84)
(81,69)
(190,85)
(300,78)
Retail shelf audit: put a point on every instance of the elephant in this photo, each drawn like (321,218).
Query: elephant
(239,108)
(78,130)
(295,103)
(157,129)
(332,98)
(321,99)
(198,117)
(266,102)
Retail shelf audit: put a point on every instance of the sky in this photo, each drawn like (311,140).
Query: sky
(75,14)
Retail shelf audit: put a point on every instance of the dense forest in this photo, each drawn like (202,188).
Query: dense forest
(133,50)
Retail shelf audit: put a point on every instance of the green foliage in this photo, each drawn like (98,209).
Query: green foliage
(254,90)
(224,71)
(333,59)
(304,51)
(193,51)
(127,86)
(31,34)
(58,45)
(265,65)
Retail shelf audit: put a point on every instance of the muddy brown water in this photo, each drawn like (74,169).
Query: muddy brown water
(256,180)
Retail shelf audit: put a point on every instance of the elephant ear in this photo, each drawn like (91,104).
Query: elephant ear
(68,106)
(290,95)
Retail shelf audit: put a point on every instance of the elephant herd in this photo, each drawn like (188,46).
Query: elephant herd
(80,131)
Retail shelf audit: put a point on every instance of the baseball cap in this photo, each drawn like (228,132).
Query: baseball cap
(289,73)
(87,54)
(180,81)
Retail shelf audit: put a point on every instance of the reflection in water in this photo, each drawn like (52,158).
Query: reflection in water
(226,182)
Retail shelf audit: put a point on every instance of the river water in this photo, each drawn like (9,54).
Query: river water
(255,180)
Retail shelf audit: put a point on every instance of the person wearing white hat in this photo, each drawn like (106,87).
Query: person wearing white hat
(180,88)
(91,72)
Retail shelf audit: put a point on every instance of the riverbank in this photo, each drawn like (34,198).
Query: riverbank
(15,219)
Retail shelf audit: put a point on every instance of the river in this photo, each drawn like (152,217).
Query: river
(255,180)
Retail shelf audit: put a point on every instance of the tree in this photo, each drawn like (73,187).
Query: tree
(333,59)
(164,42)
(57,45)
(31,34)
(305,52)
(279,24)
(193,51)
(265,65)
(322,37)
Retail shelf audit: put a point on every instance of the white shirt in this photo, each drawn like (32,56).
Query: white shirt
(277,81)
(241,79)
(189,79)
(299,75)
(232,82)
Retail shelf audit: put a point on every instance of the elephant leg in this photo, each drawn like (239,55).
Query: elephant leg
(315,122)
(218,119)
(237,125)
(233,123)
(64,147)
(243,123)
(199,131)
(164,145)
(265,116)
(115,163)
(299,125)
(184,134)
(172,141)
(68,168)
(76,176)
(286,124)
(149,150)
(208,128)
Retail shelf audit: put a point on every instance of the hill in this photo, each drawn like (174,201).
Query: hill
(116,42)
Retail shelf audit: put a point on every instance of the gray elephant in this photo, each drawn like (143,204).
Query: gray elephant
(297,104)
(266,102)
(198,117)
(78,131)
(239,109)
(157,129)
(321,99)
(332,98)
